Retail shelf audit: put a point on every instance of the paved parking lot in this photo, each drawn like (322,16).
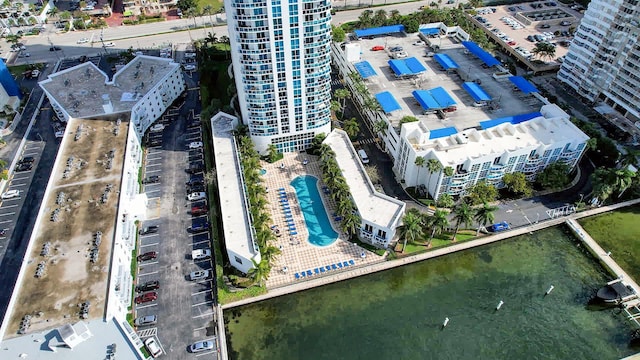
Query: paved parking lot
(184,307)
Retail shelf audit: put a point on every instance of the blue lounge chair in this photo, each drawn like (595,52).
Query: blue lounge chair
(316,271)
(297,276)
(309,273)
(303,274)
(322,270)
(328,267)
(333,266)
(338,218)
(293,233)
(281,189)
(288,216)
(283,200)
(340,265)
(352,262)
(346,264)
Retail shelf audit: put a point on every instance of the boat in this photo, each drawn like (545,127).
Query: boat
(615,292)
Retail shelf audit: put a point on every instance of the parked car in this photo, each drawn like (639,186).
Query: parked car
(545,26)
(23,54)
(202,346)
(27,160)
(147,297)
(565,23)
(199,207)
(196,196)
(195,168)
(152,345)
(151,179)
(189,67)
(109,44)
(83,40)
(198,227)
(195,145)
(151,255)
(10,194)
(195,180)
(200,254)
(156,127)
(377,48)
(199,275)
(148,286)
(145,320)
(195,188)
(24,167)
(400,55)
(152,229)
(396,49)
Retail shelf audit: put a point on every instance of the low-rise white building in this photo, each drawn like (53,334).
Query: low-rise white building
(239,234)
(380,214)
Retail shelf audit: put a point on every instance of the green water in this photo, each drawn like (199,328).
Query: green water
(398,314)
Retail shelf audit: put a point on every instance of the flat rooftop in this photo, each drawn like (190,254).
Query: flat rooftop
(372,205)
(76,206)
(83,90)
(508,102)
(235,220)
(103,338)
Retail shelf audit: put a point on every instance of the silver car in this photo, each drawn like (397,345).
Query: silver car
(199,275)
(202,346)
(146,320)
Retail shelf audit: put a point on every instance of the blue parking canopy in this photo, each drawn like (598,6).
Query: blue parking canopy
(414,65)
(476,92)
(426,100)
(382,30)
(387,102)
(442,97)
(399,67)
(523,84)
(445,61)
(430,31)
(476,50)
(365,69)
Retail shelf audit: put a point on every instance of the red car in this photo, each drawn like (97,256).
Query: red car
(512,43)
(147,297)
(151,255)
(377,48)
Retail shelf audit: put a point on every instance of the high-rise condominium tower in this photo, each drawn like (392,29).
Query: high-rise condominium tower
(281,64)
(603,62)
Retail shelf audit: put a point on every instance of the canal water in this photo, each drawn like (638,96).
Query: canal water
(398,314)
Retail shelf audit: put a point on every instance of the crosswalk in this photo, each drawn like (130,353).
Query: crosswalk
(365,141)
(147,333)
(336,83)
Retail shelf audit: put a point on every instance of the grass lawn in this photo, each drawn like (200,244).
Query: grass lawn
(618,232)
(442,240)
(216,4)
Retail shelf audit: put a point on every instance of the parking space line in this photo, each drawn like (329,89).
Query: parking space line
(10,206)
(13,213)
(157,198)
(12,199)
(201,242)
(152,244)
(148,236)
(149,158)
(147,263)
(152,171)
(149,273)
(200,292)
(200,328)
(160,164)
(18,184)
(203,303)
(151,184)
(146,306)
(6,221)
(202,315)
(21,178)
(205,353)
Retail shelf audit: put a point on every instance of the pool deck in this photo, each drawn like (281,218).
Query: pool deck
(297,253)
(381,266)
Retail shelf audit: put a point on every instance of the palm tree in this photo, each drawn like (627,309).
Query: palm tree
(463,215)
(341,95)
(326,153)
(191,13)
(344,206)
(365,19)
(630,157)
(395,16)
(351,127)
(273,152)
(269,253)
(336,107)
(545,50)
(380,18)
(411,228)
(380,126)
(208,10)
(622,179)
(433,165)
(350,223)
(448,171)
(419,163)
(437,222)
(485,215)
(53,12)
(260,271)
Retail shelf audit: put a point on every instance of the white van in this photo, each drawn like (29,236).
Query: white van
(363,156)
(153,347)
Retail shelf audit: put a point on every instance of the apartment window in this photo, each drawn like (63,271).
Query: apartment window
(382,234)
(368,228)
(238,260)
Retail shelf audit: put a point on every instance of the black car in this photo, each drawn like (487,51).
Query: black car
(148,286)
(54,48)
(198,227)
(149,230)
(195,188)
(27,160)
(151,179)
(195,168)
(24,166)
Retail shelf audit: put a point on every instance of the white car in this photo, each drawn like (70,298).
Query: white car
(201,346)
(10,194)
(196,145)
(82,41)
(189,67)
(400,55)
(153,347)
(109,44)
(196,196)
(157,127)
(199,275)
(201,254)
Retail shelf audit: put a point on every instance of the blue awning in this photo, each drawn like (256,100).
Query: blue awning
(426,100)
(440,133)
(442,97)
(400,68)
(414,65)
(445,61)
(430,31)
(523,84)
(517,119)
(387,102)
(480,53)
(383,30)
(365,69)
(476,92)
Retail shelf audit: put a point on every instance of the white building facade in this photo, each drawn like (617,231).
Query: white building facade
(281,65)
(488,154)
(603,61)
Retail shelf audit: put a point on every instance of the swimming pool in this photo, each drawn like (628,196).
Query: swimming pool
(315,215)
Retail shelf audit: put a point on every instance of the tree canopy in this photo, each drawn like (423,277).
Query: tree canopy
(517,184)
(554,176)
(185,5)
(482,192)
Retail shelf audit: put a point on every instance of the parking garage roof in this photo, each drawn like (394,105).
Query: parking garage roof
(365,69)
(377,31)
(476,50)
(523,84)
(84,90)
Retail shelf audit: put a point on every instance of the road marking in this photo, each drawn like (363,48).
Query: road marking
(157,198)
(149,158)
(15,198)
(149,273)
(200,328)
(10,206)
(22,178)
(200,292)
(201,242)
(149,235)
(6,221)
(151,184)
(202,315)
(143,264)
(148,245)
(13,213)
(160,164)
(18,184)
(205,353)
(146,306)
(152,171)
(202,303)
